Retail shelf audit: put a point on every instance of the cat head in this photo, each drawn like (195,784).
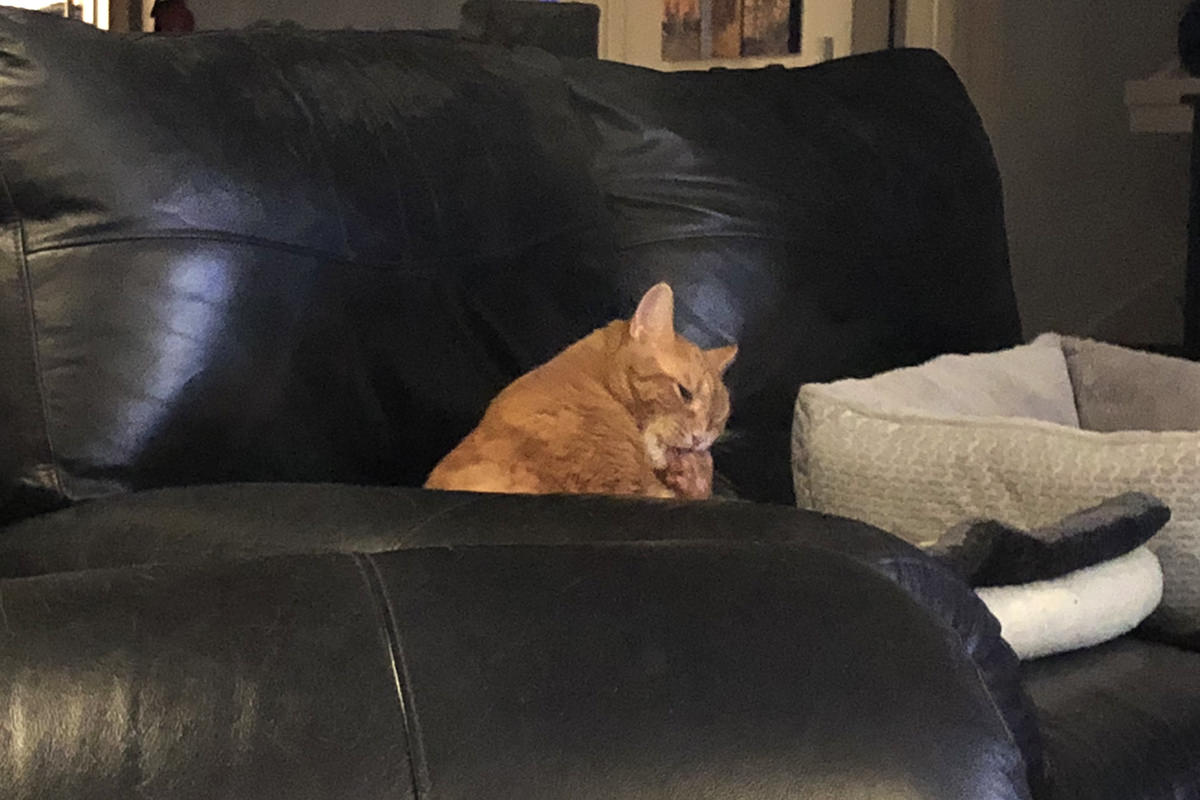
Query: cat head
(678,397)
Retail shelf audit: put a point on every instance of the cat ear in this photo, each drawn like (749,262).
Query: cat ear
(719,358)
(654,320)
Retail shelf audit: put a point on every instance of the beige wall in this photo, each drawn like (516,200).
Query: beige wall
(1097,216)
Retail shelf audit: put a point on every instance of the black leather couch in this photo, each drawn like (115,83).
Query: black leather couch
(254,284)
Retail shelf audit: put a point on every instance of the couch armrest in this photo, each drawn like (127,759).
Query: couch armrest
(657,669)
(230,521)
(205,523)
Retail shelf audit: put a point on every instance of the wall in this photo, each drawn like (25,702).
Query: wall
(1097,216)
(364,14)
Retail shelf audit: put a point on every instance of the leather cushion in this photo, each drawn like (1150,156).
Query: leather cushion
(656,669)
(207,523)
(275,253)
(1120,721)
(835,221)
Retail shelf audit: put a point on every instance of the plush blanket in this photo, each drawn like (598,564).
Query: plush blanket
(1081,581)
(988,552)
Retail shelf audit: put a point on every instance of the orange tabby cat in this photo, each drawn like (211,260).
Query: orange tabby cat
(632,408)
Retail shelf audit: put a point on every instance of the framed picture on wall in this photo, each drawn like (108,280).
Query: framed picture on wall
(700,29)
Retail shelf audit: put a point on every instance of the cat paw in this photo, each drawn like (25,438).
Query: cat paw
(689,474)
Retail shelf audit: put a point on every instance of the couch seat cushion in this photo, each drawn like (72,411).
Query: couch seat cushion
(1120,721)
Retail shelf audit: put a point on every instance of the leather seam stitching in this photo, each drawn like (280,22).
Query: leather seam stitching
(369,569)
(21,252)
(35,354)
(415,265)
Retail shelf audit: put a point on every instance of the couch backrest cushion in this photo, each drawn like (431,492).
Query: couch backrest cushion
(274,254)
(279,254)
(837,221)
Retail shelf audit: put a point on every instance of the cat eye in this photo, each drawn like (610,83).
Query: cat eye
(684,392)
